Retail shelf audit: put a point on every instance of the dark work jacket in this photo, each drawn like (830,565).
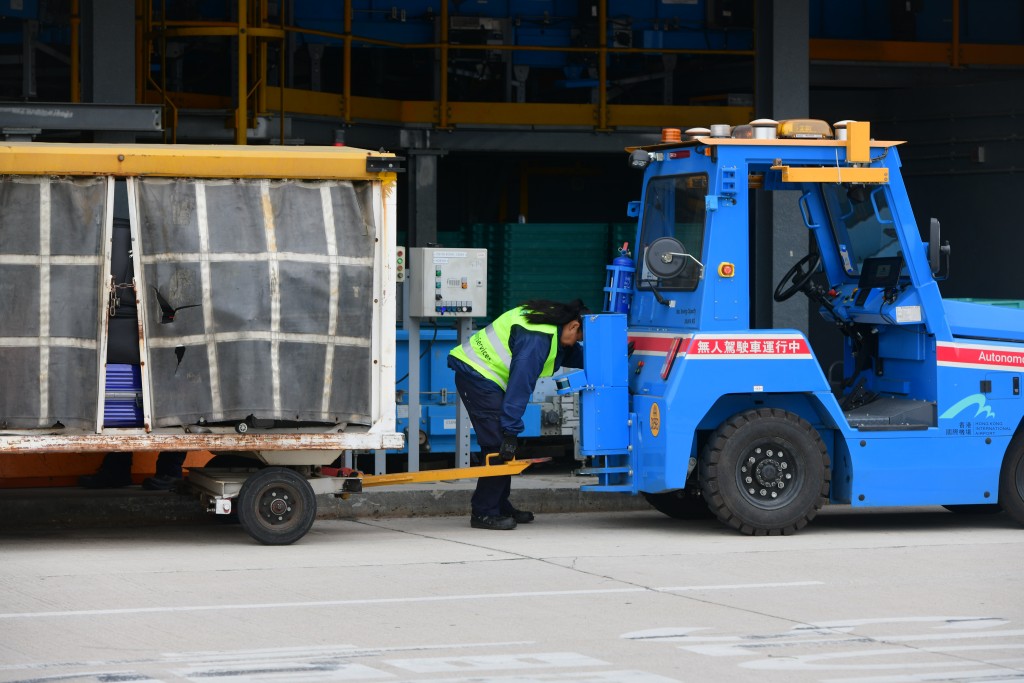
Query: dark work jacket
(529,352)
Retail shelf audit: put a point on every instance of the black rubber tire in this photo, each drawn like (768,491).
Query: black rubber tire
(687,503)
(786,461)
(276,506)
(978,509)
(1011,480)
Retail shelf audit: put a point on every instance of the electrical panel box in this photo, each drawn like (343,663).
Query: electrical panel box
(447,282)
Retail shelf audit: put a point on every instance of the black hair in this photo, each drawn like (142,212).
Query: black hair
(545,312)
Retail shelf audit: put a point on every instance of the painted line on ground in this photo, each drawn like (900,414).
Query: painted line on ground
(398,601)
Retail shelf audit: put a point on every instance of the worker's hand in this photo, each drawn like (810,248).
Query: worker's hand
(509,444)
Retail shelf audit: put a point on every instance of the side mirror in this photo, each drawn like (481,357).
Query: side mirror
(934,232)
(936,250)
(666,258)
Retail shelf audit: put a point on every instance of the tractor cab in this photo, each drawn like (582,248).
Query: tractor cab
(867,267)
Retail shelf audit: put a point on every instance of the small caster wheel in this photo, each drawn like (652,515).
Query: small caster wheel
(242,427)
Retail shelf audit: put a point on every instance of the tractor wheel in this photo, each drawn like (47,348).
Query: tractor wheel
(765,472)
(687,503)
(1011,481)
(276,506)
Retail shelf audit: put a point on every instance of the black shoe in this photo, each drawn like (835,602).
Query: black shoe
(492,522)
(161,482)
(521,516)
(105,480)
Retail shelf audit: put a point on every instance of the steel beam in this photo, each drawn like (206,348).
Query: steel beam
(88,117)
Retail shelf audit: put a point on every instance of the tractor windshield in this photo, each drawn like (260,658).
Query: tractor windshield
(674,207)
(862,224)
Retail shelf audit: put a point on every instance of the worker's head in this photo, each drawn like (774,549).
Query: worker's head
(567,316)
(572,333)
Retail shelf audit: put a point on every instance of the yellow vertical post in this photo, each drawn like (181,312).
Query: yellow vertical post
(76,81)
(955,57)
(443,67)
(602,65)
(346,72)
(241,113)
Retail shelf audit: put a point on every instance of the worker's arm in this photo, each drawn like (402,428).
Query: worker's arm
(529,352)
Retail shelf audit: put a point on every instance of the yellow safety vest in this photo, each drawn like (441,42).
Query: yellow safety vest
(488,352)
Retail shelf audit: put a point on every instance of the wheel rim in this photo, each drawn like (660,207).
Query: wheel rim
(768,474)
(279,507)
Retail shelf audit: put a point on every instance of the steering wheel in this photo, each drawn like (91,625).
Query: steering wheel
(799,278)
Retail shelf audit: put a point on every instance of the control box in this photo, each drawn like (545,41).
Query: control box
(447,282)
(400,264)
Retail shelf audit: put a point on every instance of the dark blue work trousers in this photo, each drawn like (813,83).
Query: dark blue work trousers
(483,400)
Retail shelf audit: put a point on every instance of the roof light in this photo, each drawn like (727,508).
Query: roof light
(765,129)
(744,132)
(671,135)
(812,129)
(698,132)
(721,130)
(840,128)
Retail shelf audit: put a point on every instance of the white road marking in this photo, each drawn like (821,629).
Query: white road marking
(543,660)
(386,601)
(847,646)
(213,658)
(625,676)
(300,672)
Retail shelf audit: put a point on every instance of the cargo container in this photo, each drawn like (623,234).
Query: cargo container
(258,318)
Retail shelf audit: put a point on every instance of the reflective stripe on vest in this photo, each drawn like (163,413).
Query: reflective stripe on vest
(487,351)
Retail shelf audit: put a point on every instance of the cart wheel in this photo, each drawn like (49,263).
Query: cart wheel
(242,427)
(765,472)
(687,503)
(276,506)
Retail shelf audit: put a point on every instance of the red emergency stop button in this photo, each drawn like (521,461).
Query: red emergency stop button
(726,269)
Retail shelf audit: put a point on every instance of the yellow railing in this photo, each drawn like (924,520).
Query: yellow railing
(253,95)
(251,98)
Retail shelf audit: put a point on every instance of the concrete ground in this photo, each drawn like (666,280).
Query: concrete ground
(914,596)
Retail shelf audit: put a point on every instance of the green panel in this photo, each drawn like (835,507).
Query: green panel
(559,261)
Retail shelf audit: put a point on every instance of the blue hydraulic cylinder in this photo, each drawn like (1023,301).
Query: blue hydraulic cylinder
(603,385)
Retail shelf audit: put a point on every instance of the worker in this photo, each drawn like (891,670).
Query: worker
(496,371)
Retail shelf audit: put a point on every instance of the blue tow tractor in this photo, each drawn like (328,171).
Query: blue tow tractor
(684,403)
